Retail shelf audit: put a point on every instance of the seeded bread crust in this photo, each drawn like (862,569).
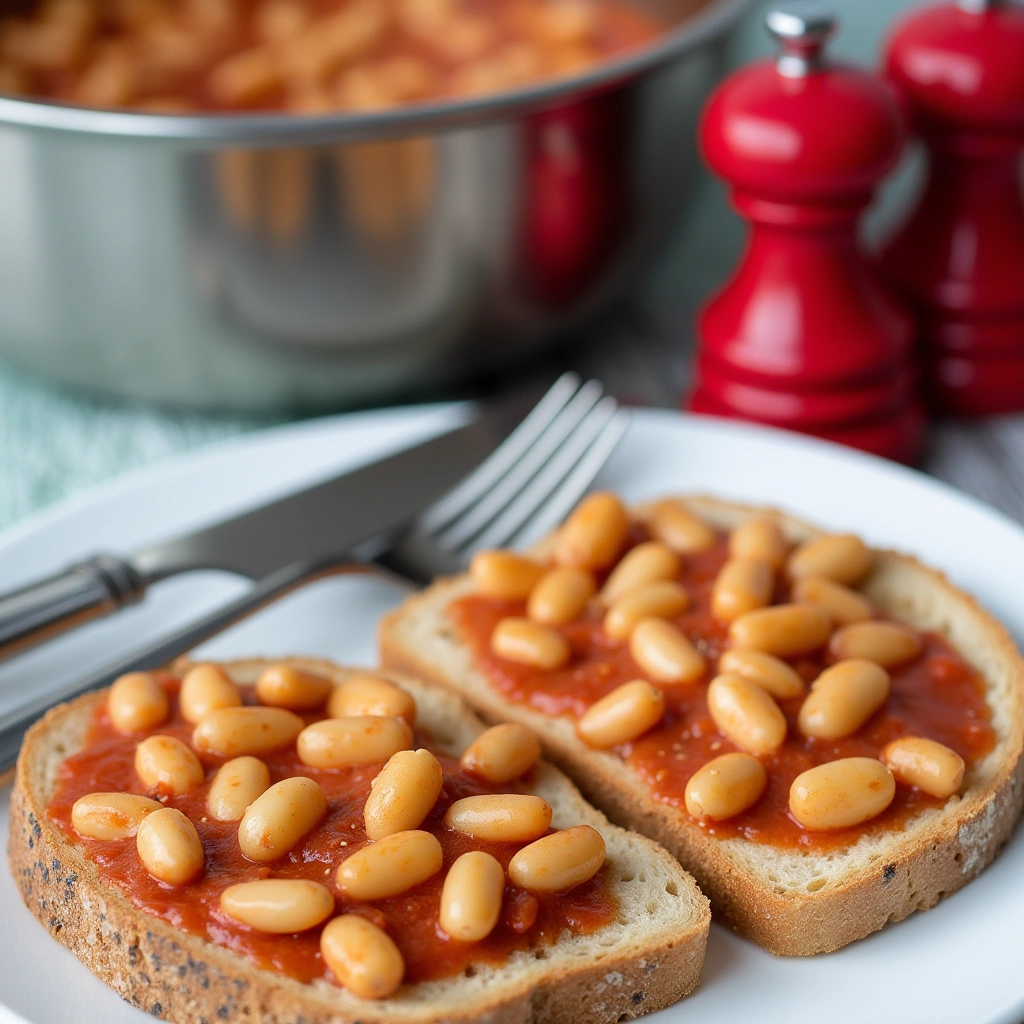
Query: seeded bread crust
(789,902)
(649,958)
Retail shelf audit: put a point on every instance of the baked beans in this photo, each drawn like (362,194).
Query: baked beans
(887,643)
(559,861)
(169,846)
(725,786)
(280,818)
(622,715)
(746,714)
(504,574)
(368,695)
(759,538)
(841,794)
(288,686)
(842,603)
(111,815)
(362,957)
(664,654)
(166,766)
(402,795)
(236,785)
(301,55)
(593,535)
(278,906)
(931,766)
(661,599)
(471,897)
(649,562)
(782,681)
(560,596)
(843,698)
(840,557)
(340,742)
(741,585)
(500,817)
(782,629)
(137,702)
(391,866)
(231,732)
(672,523)
(206,688)
(530,643)
(503,753)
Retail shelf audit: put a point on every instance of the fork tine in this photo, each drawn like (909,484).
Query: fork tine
(503,458)
(516,496)
(496,500)
(565,497)
(551,483)
(575,484)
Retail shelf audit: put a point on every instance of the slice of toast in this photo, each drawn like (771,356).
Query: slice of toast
(648,958)
(788,900)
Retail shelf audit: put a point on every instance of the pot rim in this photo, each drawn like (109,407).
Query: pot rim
(274,129)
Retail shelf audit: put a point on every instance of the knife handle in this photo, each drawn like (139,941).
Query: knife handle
(52,606)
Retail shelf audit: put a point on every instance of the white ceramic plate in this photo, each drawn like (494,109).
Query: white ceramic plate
(958,962)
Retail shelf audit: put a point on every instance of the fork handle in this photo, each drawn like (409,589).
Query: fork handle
(16,723)
(86,591)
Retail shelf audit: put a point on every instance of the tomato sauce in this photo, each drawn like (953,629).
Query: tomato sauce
(105,764)
(938,695)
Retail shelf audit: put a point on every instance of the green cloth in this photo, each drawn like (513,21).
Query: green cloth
(54,442)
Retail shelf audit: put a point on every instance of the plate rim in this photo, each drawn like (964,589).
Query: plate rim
(140,478)
(223,448)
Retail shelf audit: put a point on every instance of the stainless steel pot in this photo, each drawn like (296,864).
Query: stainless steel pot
(268,261)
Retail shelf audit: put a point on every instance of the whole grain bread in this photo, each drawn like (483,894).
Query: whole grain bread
(648,958)
(789,901)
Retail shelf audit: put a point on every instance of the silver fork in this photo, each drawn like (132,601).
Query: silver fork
(520,492)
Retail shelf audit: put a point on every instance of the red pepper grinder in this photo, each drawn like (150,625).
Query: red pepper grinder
(960,256)
(805,335)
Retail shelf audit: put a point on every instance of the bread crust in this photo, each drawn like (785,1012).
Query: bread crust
(938,853)
(180,977)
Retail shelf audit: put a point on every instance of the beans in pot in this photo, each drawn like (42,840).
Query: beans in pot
(302,56)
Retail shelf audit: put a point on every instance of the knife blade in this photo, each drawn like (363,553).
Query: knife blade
(330,518)
(314,526)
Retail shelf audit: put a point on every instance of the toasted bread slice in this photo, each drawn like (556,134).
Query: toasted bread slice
(789,901)
(650,957)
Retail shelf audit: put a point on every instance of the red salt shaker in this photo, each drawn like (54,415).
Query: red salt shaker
(960,256)
(805,335)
